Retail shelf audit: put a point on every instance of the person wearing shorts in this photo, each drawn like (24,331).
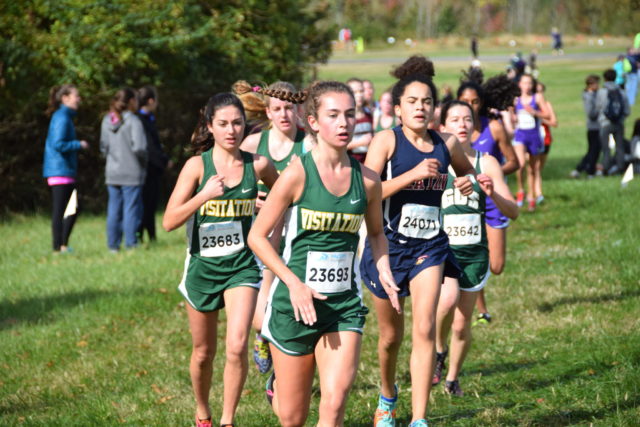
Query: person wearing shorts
(315,313)
(216,195)
(490,136)
(464,223)
(530,108)
(281,143)
(413,162)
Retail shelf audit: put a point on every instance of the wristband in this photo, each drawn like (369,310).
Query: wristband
(471,178)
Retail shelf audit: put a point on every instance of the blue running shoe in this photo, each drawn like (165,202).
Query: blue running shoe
(385,415)
(419,423)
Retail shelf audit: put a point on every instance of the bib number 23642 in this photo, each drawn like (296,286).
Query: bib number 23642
(221,238)
(419,221)
(329,272)
(463,229)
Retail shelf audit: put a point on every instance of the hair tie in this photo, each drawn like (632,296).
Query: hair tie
(256,88)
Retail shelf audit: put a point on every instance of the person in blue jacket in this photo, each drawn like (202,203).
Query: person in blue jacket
(61,162)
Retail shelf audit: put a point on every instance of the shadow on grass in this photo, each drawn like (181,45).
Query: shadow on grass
(38,309)
(578,416)
(547,307)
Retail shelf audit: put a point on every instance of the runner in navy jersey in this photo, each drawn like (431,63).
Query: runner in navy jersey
(413,162)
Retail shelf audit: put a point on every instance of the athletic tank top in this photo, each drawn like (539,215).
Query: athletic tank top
(411,217)
(219,229)
(464,218)
(263,150)
(527,123)
(485,143)
(323,238)
(364,126)
(379,125)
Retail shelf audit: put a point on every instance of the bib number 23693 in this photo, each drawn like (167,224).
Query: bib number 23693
(329,272)
(221,238)
(419,221)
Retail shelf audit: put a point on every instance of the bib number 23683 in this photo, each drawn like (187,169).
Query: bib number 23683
(329,272)
(419,221)
(221,238)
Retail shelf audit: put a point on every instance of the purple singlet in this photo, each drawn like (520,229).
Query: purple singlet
(528,128)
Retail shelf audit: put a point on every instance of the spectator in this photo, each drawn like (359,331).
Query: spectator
(619,67)
(156,164)
(631,76)
(613,108)
(594,146)
(61,162)
(557,41)
(123,142)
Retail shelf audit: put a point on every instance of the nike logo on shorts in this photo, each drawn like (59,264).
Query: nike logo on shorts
(353,202)
(245,190)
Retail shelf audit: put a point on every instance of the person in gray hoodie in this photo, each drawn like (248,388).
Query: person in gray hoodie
(588,162)
(613,108)
(124,144)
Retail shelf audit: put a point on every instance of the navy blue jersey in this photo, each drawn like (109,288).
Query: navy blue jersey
(412,215)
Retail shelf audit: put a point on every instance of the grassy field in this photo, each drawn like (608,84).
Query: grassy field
(100,339)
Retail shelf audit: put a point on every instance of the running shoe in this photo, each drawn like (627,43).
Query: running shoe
(385,415)
(574,174)
(269,387)
(453,388)
(520,198)
(440,366)
(261,354)
(483,319)
(419,423)
(532,205)
(203,423)
(539,199)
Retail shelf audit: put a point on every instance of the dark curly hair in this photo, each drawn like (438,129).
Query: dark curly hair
(202,139)
(415,69)
(473,74)
(500,91)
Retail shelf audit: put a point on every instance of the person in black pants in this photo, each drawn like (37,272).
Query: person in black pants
(156,164)
(588,162)
(60,166)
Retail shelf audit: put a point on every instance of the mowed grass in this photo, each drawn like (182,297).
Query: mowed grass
(100,339)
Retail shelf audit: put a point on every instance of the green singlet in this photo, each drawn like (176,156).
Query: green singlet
(464,223)
(218,257)
(321,247)
(263,150)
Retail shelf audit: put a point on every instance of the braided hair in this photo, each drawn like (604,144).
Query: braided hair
(310,97)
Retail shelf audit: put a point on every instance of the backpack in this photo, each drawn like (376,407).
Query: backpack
(614,110)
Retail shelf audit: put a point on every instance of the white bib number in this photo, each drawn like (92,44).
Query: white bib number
(221,238)
(463,229)
(525,120)
(329,272)
(419,221)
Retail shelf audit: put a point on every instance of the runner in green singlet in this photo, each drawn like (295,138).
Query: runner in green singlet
(315,313)
(464,222)
(215,195)
(281,143)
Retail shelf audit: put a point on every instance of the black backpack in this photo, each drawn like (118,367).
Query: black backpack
(614,110)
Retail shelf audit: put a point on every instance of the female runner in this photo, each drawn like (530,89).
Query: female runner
(413,162)
(530,108)
(463,218)
(315,312)
(547,139)
(490,136)
(216,193)
(387,118)
(281,143)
